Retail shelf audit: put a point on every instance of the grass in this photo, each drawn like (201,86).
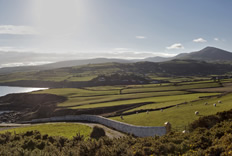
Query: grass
(157,100)
(160,96)
(67,130)
(107,96)
(179,116)
(169,88)
(89,102)
(76,92)
(174,100)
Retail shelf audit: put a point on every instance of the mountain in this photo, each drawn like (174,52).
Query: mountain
(210,54)
(61,64)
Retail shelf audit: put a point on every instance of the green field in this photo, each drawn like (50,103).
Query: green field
(67,130)
(158,96)
(180,116)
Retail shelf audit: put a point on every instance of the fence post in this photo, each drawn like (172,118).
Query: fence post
(168,127)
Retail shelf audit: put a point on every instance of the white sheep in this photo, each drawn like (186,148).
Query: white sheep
(184,131)
(214,104)
(206,103)
(219,101)
(196,113)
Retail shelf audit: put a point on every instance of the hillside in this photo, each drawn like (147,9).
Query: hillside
(61,64)
(201,141)
(208,54)
(81,76)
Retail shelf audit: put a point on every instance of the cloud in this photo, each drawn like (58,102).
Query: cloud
(176,46)
(199,40)
(140,37)
(216,39)
(17,30)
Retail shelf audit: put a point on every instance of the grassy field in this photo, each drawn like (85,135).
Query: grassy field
(107,96)
(171,87)
(187,97)
(67,130)
(180,116)
(159,96)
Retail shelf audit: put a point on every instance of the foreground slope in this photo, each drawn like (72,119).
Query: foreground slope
(202,140)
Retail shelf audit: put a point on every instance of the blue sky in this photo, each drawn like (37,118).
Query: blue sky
(115,28)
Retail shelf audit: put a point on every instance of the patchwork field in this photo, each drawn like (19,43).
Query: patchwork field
(181,115)
(151,104)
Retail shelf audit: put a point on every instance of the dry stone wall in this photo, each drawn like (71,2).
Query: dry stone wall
(140,131)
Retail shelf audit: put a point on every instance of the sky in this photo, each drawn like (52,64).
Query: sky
(114,28)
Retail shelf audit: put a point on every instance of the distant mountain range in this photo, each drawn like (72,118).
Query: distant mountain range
(208,54)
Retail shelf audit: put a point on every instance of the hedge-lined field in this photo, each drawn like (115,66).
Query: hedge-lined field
(154,96)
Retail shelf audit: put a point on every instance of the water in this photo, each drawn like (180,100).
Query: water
(4,90)
(1,112)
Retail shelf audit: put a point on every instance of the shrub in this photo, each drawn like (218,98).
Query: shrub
(97,132)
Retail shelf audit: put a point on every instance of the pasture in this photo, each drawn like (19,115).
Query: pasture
(183,98)
(67,130)
(180,116)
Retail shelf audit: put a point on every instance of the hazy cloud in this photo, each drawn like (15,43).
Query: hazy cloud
(199,40)
(176,46)
(140,37)
(216,39)
(17,30)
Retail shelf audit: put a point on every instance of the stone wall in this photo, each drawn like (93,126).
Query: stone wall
(140,131)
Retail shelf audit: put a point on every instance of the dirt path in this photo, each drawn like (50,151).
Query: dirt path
(109,132)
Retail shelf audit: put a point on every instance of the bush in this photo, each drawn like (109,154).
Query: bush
(97,132)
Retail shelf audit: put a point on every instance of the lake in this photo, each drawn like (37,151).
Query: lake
(4,90)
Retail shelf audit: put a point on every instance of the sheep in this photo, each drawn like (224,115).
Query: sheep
(184,131)
(219,101)
(206,103)
(147,112)
(196,113)
(214,104)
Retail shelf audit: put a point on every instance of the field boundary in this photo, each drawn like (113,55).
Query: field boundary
(139,131)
